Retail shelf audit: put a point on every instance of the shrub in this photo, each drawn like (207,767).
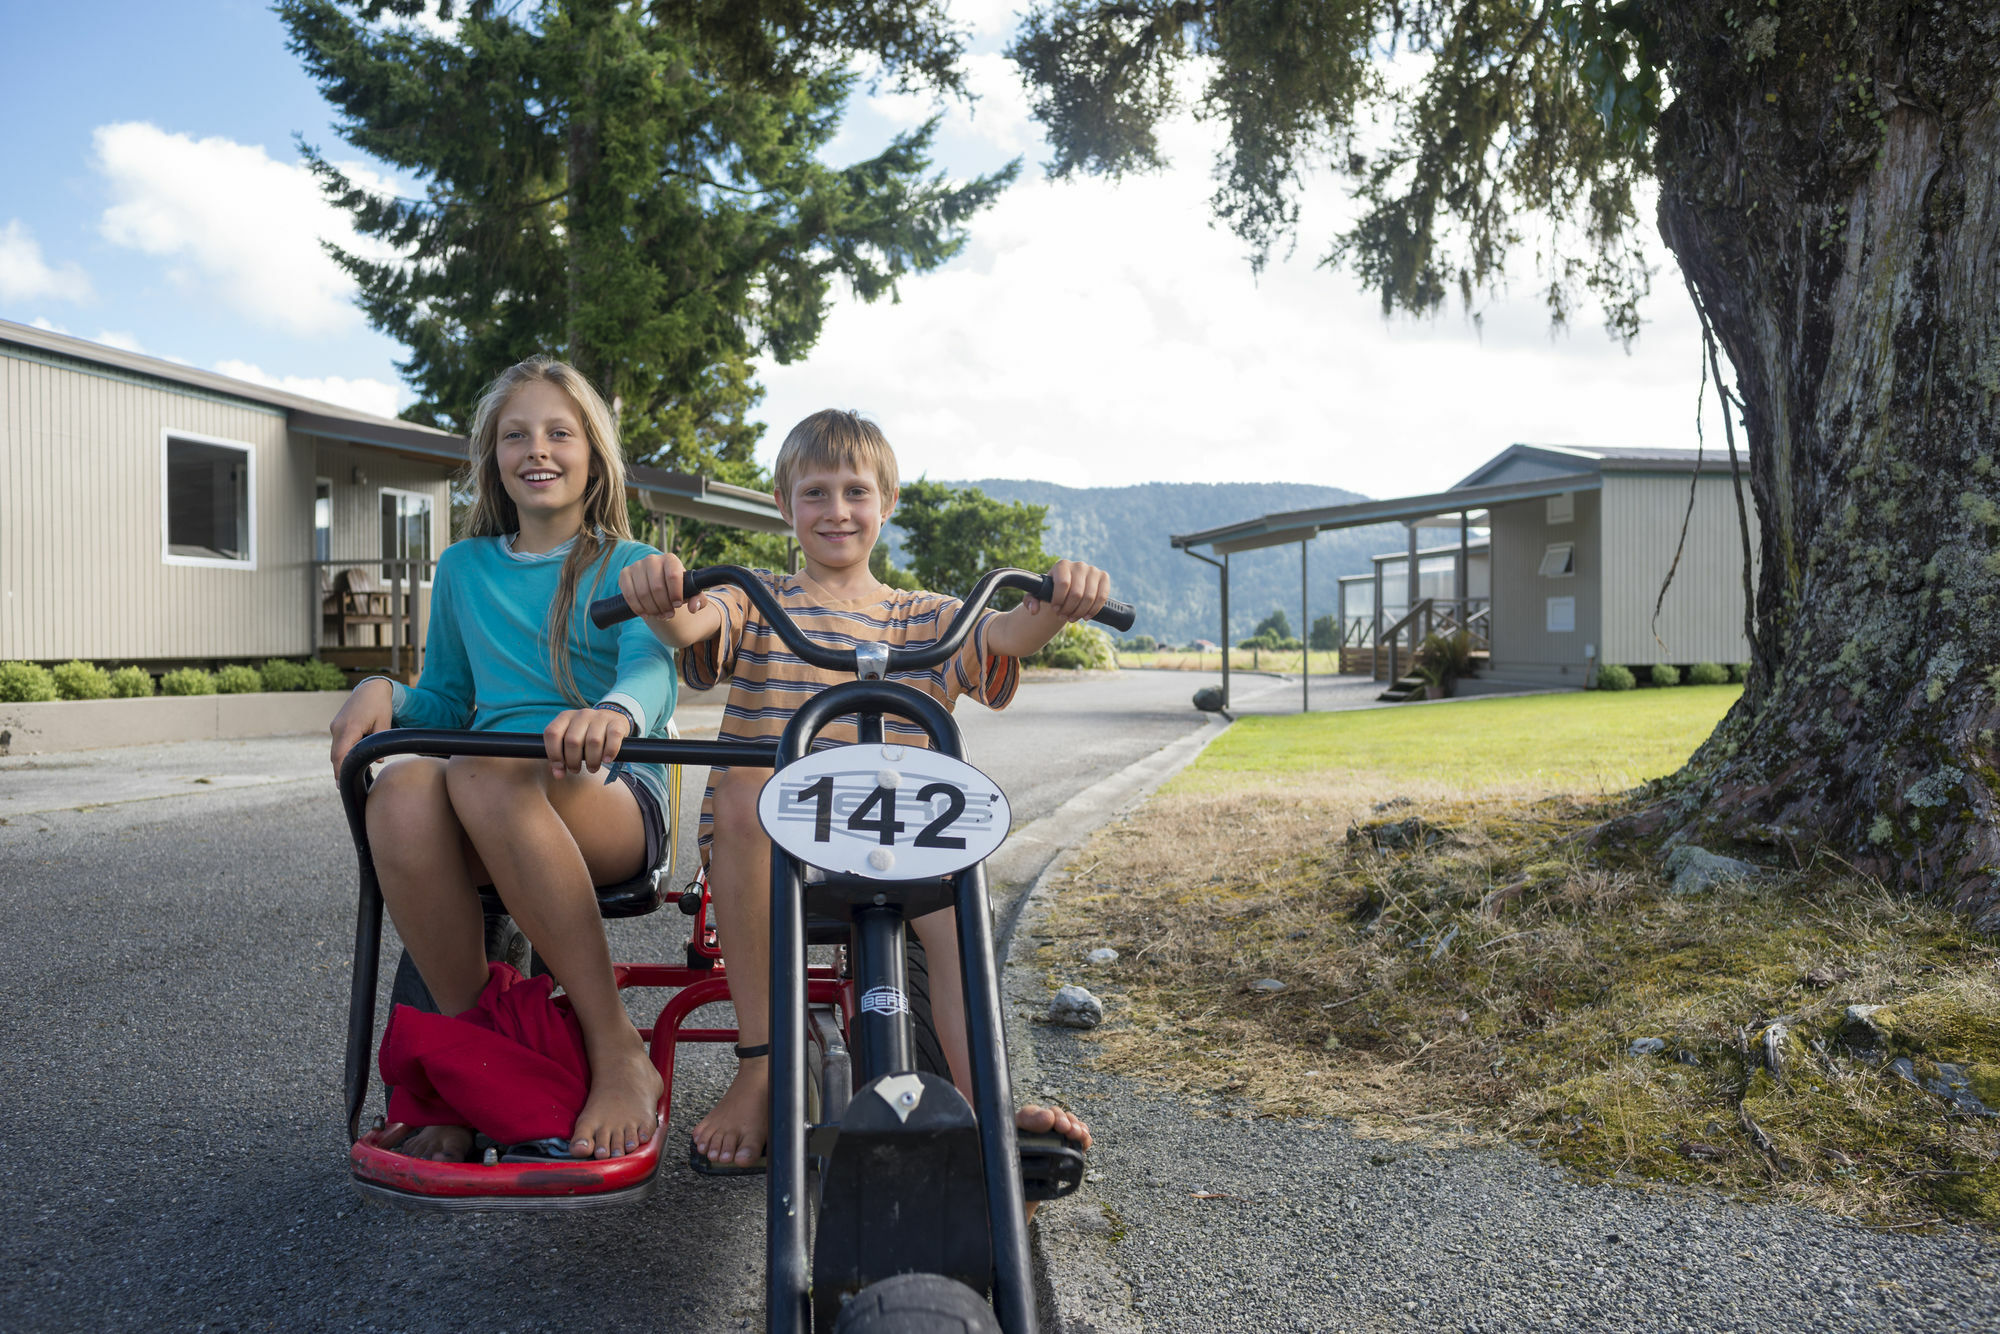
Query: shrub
(77,679)
(236,679)
(131,683)
(1665,675)
(1076,645)
(1139,644)
(187,681)
(25,683)
(1708,674)
(323,675)
(1613,677)
(277,674)
(1445,657)
(1739,671)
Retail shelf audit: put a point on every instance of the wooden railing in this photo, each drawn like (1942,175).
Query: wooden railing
(1433,616)
(355,601)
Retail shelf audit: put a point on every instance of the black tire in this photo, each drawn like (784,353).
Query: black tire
(923,1028)
(916,1304)
(504,944)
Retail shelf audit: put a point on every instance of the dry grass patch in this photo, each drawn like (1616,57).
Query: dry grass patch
(1470,966)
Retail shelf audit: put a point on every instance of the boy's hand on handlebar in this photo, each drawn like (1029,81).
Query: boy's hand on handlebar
(1080,590)
(656,586)
(584,739)
(370,709)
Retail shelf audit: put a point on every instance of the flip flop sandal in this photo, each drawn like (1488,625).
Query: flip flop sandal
(707,1166)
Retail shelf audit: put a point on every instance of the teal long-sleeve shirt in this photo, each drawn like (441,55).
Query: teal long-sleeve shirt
(486,660)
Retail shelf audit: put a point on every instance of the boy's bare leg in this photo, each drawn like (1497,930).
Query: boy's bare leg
(939,933)
(736,1129)
(418,848)
(546,842)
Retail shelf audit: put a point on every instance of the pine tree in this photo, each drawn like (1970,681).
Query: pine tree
(636,188)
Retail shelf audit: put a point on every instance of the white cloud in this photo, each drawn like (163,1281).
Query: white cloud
(376,396)
(26,276)
(233,223)
(44,322)
(1097,333)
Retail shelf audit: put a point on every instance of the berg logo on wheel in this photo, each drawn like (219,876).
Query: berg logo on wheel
(886,812)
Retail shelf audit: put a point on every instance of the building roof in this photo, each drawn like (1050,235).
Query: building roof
(682,494)
(1519,472)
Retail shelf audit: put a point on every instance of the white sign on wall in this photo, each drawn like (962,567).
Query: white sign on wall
(1562,615)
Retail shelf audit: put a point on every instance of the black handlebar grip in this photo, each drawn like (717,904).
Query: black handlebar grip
(1118,615)
(607,612)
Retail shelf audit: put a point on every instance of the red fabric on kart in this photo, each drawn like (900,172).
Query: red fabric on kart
(512,1067)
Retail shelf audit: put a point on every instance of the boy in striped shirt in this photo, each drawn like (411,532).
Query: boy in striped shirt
(836,484)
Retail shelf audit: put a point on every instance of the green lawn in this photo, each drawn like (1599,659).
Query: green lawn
(1589,741)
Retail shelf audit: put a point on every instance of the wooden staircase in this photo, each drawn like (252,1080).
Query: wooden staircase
(1405,689)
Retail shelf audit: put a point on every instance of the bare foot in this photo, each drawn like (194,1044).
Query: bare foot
(734,1132)
(1042,1120)
(438,1144)
(623,1109)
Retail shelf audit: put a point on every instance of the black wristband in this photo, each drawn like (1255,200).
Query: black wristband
(622,711)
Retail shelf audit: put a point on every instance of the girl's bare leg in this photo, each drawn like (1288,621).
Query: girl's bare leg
(421,856)
(547,842)
(736,1129)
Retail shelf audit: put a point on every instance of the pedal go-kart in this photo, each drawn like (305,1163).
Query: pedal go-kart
(891,1203)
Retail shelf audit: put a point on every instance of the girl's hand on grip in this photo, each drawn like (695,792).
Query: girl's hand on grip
(370,709)
(584,739)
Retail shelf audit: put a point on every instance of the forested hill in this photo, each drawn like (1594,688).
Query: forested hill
(1125,530)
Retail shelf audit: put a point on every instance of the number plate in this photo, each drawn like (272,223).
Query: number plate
(885,812)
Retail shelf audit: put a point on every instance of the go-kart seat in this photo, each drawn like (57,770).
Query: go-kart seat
(631,898)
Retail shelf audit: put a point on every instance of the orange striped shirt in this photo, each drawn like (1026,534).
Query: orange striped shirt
(768,682)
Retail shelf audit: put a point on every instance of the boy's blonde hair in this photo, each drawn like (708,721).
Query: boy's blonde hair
(604,519)
(835,439)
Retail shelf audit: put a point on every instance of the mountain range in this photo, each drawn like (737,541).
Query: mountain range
(1125,529)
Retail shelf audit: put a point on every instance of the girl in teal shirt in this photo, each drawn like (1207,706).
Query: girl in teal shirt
(511,648)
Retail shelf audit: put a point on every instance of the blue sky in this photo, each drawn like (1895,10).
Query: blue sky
(1093,333)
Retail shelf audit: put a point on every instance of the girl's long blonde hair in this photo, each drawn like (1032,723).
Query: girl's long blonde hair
(604,521)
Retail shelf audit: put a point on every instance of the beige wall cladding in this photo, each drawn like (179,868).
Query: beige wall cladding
(357,506)
(1702,617)
(1523,646)
(81,566)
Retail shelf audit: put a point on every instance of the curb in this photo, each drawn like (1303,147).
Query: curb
(1077,1285)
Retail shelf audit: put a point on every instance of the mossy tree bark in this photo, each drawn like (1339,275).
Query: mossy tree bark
(1833,196)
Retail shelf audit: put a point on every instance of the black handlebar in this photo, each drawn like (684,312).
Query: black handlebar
(607,612)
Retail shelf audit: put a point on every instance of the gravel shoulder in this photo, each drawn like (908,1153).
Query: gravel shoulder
(1203,1216)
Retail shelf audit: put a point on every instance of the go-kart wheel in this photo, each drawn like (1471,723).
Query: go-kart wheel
(917,1304)
(504,944)
(923,1028)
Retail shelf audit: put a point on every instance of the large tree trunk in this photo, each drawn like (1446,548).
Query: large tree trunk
(1831,187)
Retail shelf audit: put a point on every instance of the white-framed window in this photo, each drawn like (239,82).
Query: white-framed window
(207,490)
(1558,561)
(322,518)
(1562,508)
(406,526)
(1562,616)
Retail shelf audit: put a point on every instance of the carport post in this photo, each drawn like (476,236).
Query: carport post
(1225,629)
(1222,567)
(1305,636)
